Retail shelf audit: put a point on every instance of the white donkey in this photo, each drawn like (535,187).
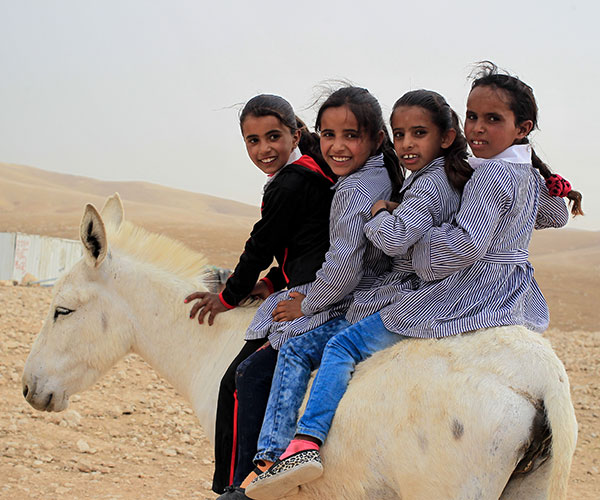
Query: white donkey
(484,415)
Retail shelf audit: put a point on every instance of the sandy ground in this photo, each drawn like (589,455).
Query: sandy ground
(132,437)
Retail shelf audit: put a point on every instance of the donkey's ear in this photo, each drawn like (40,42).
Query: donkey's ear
(93,236)
(112,212)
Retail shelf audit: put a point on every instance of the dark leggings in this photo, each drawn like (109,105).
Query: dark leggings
(243,396)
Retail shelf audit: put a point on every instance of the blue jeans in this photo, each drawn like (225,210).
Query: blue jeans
(298,357)
(336,346)
(342,353)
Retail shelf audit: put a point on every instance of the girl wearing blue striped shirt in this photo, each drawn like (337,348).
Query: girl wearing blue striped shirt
(355,144)
(429,143)
(483,256)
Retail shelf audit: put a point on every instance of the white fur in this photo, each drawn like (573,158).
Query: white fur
(425,419)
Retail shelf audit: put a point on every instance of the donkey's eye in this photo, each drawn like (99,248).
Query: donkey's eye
(61,311)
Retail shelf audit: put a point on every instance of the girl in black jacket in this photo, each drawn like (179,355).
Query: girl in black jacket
(293,230)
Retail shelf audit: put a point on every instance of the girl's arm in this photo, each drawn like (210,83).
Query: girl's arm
(268,235)
(449,248)
(395,233)
(552,210)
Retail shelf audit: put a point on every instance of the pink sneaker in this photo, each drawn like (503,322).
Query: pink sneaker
(284,476)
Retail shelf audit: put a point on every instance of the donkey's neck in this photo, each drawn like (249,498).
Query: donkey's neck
(192,357)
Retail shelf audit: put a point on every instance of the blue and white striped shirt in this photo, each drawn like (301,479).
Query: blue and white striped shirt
(351,263)
(483,257)
(428,200)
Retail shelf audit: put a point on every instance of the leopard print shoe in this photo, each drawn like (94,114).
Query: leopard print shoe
(284,476)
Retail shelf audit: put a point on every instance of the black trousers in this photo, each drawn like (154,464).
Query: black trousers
(241,405)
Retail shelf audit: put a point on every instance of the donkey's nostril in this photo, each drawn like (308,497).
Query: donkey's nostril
(25,391)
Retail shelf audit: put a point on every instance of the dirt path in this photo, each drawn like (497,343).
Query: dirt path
(132,437)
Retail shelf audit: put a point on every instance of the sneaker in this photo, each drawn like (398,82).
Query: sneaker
(233,493)
(284,476)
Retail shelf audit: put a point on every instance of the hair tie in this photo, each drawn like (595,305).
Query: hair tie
(557,186)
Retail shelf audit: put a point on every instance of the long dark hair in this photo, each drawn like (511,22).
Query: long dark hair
(524,106)
(368,114)
(456,165)
(274,105)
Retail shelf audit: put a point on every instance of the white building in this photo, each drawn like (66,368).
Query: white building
(43,257)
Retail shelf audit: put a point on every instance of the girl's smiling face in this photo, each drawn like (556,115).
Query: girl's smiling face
(417,139)
(269,142)
(490,125)
(344,146)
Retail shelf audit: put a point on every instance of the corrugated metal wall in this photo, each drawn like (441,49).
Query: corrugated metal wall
(43,257)
(7,255)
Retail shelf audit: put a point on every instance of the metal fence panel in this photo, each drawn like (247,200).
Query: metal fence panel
(7,255)
(43,257)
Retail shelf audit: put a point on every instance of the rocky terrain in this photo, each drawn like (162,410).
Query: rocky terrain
(132,437)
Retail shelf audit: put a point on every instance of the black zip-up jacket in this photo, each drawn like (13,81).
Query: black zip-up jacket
(293,229)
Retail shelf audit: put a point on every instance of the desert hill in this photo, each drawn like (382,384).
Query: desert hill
(32,200)
(40,202)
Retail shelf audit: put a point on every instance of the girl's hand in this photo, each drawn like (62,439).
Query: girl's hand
(389,206)
(208,303)
(287,310)
(260,290)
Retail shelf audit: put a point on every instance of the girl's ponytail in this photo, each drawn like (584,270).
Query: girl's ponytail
(573,196)
(456,165)
(392,164)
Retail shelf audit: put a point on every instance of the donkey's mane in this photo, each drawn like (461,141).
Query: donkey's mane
(157,249)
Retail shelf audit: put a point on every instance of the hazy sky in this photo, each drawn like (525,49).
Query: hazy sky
(147,89)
